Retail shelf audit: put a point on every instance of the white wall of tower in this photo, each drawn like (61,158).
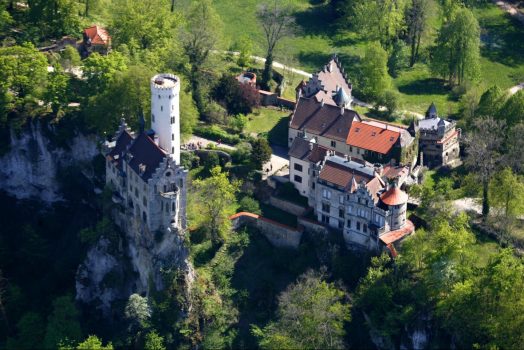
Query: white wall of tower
(165,113)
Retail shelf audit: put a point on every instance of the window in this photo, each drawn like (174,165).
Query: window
(365,228)
(333,144)
(172,149)
(325,207)
(172,137)
(358,225)
(159,97)
(326,194)
(348,223)
(341,199)
(173,206)
(161,108)
(172,107)
(297,167)
(350,148)
(313,185)
(325,219)
(340,224)
(358,150)
(350,209)
(298,179)
(153,117)
(144,201)
(341,212)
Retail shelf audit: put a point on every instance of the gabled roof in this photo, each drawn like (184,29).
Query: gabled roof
(118,152)
(340,175)
(332,76)
(300,149)
(321,119)
(432,111)
(146,156)
(97,35)
(373,138)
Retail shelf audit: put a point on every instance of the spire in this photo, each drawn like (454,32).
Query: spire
(432,111)
(341,98)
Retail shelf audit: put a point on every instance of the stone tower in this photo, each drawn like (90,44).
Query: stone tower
(165,113)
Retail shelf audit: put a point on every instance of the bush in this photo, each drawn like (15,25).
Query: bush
(250,205)
(215,113)
(242,154)
(391,101)
(214,132)
(238,98)
(189,160)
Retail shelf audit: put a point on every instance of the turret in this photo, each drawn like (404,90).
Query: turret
(396,201)
(165,113)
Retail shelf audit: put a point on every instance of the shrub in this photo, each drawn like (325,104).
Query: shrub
(391,100)
(250,205)
(216,133)
(237,97)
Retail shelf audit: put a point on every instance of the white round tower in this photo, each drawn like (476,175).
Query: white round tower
(165,113)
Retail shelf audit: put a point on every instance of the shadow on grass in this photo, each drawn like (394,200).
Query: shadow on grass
(429,86)
(502,38)
(278,135)
(316,20)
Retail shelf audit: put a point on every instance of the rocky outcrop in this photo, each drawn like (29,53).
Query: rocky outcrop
(139,262)
(30,167)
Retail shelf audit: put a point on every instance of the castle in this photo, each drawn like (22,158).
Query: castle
(350,169)
(143,168)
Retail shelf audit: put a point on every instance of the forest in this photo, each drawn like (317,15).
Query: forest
(456,283)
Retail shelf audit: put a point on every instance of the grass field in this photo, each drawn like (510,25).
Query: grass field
(264,119)
(317,39)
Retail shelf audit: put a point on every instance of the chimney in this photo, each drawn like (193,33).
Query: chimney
(322,103)
(342,110)
(330,66)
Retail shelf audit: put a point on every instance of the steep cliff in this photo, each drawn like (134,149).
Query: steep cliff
(29,169)
(101,278)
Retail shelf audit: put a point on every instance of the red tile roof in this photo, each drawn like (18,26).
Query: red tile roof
(394,196)
(394,236)
(98,35)
(371,137)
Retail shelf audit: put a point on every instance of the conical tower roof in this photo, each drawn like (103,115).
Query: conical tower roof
(394,196)
(341,98)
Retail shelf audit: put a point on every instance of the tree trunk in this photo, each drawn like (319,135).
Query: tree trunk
(87,8)
(268,71)
(485,200)
(413,48)
(172,5)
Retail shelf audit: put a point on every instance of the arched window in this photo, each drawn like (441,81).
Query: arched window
(172,137)
(144,217)
(161,108)
(173,206)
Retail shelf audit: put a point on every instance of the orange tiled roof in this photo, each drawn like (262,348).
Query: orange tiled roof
(371,137)
(340,175)
(397,235)
(98,35)
(394,196)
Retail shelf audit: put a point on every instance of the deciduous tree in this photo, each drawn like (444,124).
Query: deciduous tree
(142,24)
(93,343)
(417,17)
(277,22)
(63,326)
(260,152)
(214,196)
(483,149)
(491,102)
(375,78)
(507,197)
(311,315)
(457,54)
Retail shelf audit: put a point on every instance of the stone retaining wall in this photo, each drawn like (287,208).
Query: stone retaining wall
(268,98)
(287,206)
(279,235)
(312,226)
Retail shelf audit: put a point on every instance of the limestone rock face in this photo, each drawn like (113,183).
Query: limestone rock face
(137,265)
(30,167)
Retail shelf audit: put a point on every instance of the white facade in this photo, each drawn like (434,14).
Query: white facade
(165,113)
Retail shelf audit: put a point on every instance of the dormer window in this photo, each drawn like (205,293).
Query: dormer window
(357,129)
(373,133)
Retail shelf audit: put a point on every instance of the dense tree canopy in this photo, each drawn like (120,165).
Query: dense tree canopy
(375,77)
(457,54)
(311,315)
